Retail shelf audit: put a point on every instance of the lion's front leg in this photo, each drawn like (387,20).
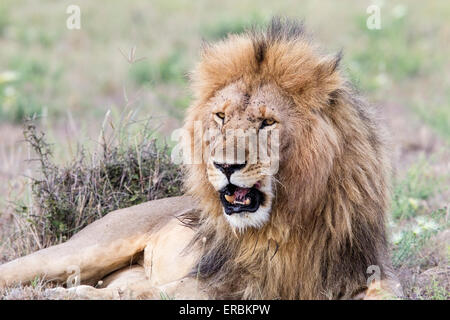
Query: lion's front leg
(104,246)
(75,261)
(161,274)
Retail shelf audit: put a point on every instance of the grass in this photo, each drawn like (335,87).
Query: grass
(415,235)
(226,25)
(389,54)
(400,54)
(414,228)
(22,89)
(436,114)
(4,20)
(433,291)
(170,69)
(411,217)
(410,192)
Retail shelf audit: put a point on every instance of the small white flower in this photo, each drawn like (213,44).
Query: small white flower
(9,91)
(8,76)
(421,220)
(430,225)
(417,230)
(414,203)
(382,79)
(397,237)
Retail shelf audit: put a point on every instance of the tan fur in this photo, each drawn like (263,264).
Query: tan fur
(327,211)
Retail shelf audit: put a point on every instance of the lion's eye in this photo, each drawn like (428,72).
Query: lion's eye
(220,115)
(267,122)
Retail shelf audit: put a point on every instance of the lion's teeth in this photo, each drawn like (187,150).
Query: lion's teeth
(247,201)
(230,199)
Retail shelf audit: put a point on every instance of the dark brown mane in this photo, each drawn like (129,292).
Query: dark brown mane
(278,30)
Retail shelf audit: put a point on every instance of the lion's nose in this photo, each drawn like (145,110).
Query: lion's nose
(229,169)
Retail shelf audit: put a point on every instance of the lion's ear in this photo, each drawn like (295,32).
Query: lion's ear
(329,80)
(327,72)
(329,65)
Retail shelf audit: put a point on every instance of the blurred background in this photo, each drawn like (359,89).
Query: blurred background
(130,60)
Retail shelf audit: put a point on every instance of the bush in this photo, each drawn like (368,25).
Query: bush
(67,198)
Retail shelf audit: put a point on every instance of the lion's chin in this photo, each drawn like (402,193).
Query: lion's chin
(244,207)
(244,220)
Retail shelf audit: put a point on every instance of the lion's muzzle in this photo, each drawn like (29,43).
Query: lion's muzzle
(229,169)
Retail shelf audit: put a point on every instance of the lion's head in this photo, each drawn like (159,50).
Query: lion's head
(242,158)
(307,213)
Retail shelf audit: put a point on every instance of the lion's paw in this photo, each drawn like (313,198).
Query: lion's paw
(84,292)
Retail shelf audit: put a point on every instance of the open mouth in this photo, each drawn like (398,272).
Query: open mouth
(236,199)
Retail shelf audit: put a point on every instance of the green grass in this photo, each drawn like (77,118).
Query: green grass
(413,223)
(23,87)
(165,296)
(169,69)
(438,292)
(413,227)
(436,115)
(418,185)
(432,289)
(4,18)
(226,25)
(415,236)
(389,54)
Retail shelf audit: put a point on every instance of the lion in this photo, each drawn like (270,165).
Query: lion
(310,227)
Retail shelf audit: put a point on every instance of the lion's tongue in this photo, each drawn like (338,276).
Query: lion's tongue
(240,193)
(239,196)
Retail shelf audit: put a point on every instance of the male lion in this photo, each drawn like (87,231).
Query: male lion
(310,230)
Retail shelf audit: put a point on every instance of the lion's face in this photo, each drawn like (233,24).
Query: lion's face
(243,158)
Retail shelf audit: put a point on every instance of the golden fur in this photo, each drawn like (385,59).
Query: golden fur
(327,224)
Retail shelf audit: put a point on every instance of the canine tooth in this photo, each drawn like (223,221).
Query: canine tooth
(247,201)
(230,198)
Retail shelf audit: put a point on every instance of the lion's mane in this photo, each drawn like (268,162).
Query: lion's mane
(327,224)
